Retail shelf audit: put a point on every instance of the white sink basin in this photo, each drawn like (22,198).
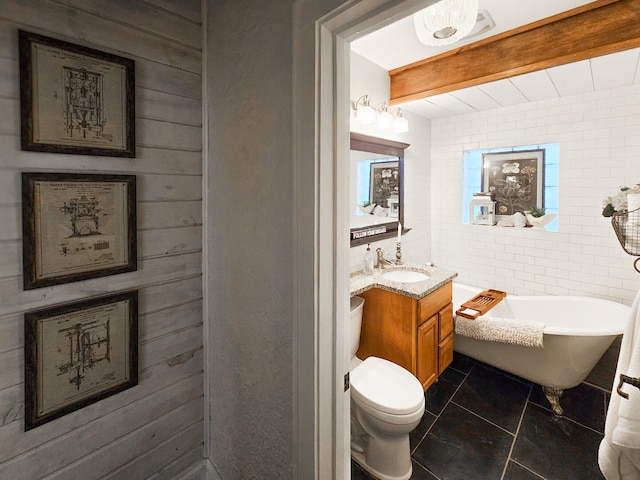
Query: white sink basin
(404,276)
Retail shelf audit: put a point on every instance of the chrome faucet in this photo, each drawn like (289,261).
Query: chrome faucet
(381,261)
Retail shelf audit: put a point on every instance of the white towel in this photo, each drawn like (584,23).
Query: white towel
(505,330)
(616,464)
(619,454)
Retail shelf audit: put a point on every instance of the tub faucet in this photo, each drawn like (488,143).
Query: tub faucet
(381,261)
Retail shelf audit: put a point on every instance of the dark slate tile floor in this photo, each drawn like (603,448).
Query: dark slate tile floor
(482,423)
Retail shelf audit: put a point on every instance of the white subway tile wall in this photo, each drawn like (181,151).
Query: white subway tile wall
(599,136)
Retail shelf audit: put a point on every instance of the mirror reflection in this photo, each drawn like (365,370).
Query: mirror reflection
(377,188)
(375,196)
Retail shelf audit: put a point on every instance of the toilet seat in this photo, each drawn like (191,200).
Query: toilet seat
(385,388)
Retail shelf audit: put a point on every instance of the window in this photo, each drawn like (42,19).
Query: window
(473,176)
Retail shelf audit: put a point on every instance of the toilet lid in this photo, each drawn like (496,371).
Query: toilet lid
(355,302)
(385,386)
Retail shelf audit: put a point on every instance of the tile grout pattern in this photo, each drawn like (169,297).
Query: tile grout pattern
(596,157)
(484,424)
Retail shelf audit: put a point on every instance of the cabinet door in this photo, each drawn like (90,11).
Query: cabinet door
(445,354)
(446,322)
(427,358)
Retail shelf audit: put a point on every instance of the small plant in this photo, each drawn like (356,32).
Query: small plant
(618,202)
(537,212)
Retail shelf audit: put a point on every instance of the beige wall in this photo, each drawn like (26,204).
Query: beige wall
(250,210)
(263,246)
(155,428)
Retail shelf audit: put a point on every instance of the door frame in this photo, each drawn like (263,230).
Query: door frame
(321,112)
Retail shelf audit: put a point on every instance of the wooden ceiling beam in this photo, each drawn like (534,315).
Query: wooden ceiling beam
(598,28)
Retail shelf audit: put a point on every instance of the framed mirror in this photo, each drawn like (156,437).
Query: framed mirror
(376,194)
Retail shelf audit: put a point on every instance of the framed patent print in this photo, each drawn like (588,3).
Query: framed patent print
(79,353)
(75,99)
(77,226)
(515,179)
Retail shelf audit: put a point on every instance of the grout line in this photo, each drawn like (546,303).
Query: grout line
(438,415)
(528,401)
(482,418)
(448,401)
(425,468)
(564,417)
(515,436)
(529,470)
(597,387)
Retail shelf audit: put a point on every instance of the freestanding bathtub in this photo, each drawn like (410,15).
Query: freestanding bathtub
(578,331)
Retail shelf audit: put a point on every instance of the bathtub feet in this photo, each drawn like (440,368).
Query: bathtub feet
(553,395)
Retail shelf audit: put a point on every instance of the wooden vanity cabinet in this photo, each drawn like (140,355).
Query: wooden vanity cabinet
(415,334)
(427,352)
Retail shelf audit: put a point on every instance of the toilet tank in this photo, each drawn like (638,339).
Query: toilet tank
(357,306)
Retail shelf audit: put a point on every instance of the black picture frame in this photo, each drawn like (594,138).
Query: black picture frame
(75,99)
(375,231)
(77,354)
(385,184)
(515,178)
(77,226)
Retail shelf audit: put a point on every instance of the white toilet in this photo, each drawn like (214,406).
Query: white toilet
(387,402)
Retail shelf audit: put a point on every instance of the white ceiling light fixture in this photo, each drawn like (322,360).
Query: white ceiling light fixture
(484,23)
(445,22)
(365,113)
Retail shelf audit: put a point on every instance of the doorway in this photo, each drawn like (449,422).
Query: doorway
(330,146)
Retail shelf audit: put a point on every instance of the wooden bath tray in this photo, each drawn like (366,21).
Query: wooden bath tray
(480,304)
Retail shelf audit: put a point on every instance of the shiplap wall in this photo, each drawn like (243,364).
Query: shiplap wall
(154,430)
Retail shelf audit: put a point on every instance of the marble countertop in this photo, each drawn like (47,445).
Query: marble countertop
(359,282)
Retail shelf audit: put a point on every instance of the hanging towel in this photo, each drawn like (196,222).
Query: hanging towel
(619,453)
(505,330)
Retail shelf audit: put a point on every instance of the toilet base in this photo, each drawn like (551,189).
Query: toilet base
(402,468)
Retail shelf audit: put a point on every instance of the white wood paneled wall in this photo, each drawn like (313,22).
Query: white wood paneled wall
(154,430)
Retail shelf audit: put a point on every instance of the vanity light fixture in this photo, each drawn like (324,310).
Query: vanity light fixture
(445,22)
(365,113)
(385,119)
(400,124)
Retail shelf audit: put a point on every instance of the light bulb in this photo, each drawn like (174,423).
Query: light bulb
(385,120)
(401,125)
(366,114)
